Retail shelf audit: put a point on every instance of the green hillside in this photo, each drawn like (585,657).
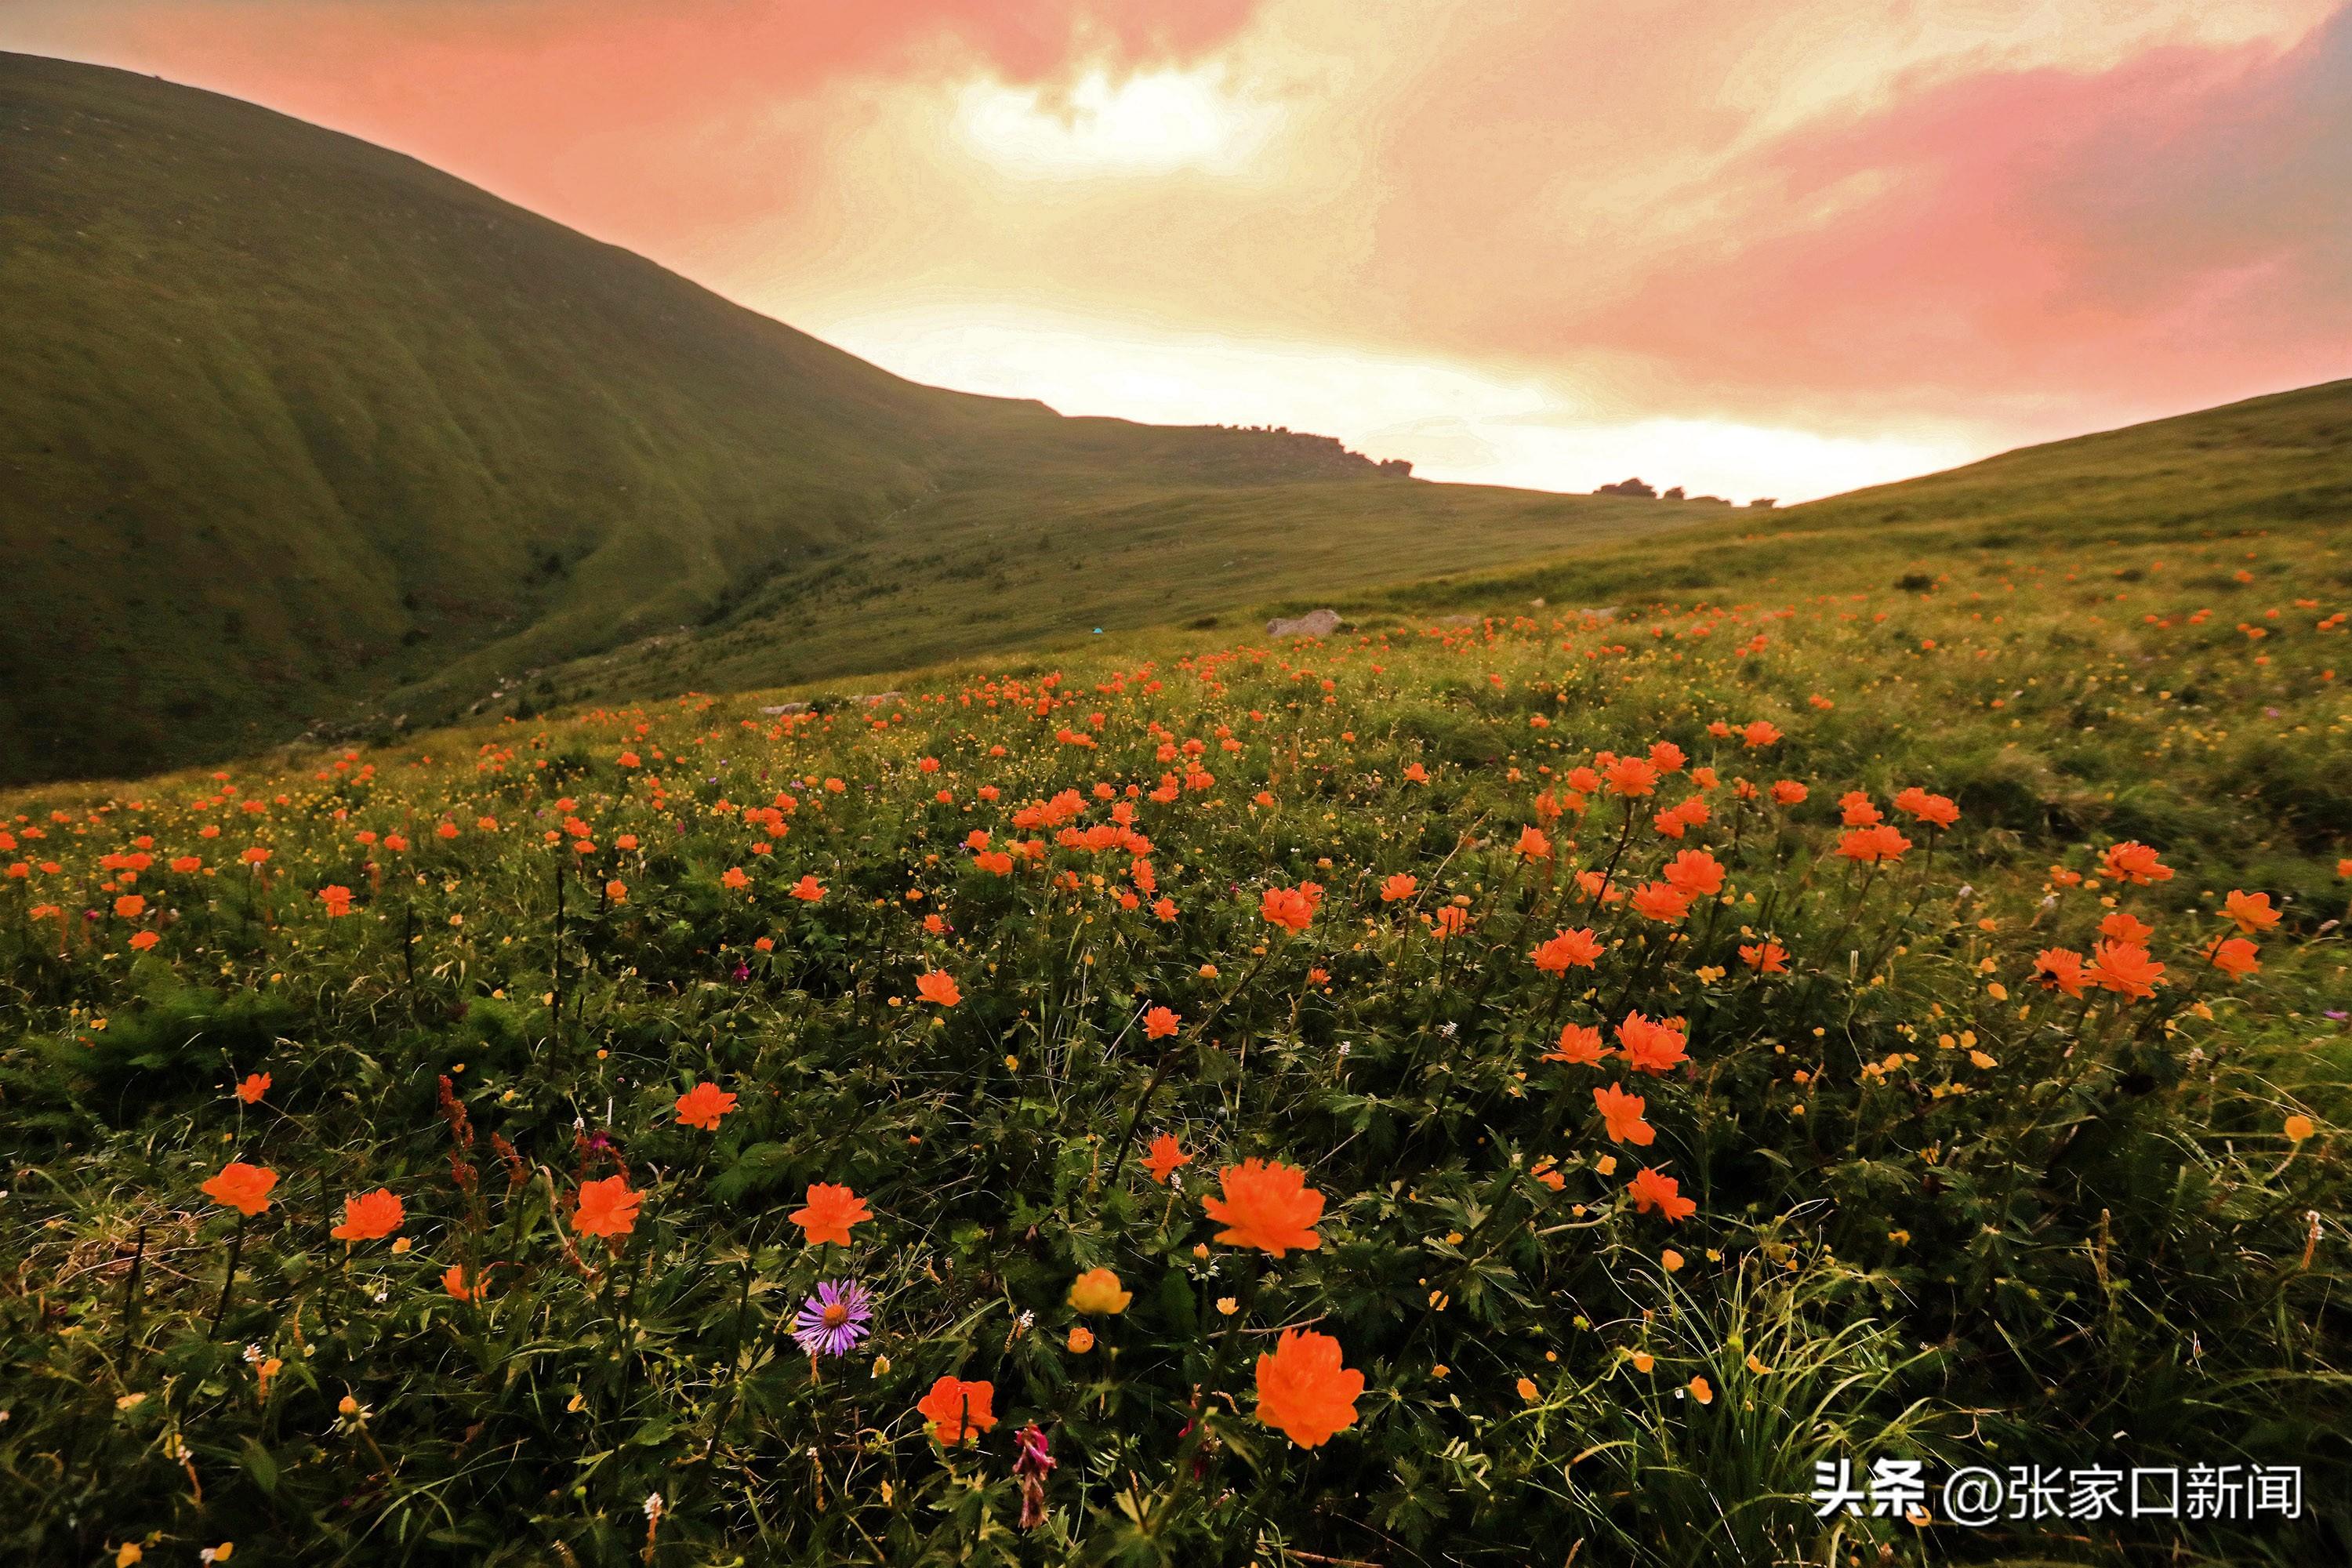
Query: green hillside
(2281,464)
(294,428)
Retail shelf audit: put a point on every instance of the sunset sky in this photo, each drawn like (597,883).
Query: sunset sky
(1778,249)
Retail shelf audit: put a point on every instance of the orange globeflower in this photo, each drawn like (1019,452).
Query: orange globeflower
(129,906)
(735,879)
(1166,1155)
(2122,926)
(255,1086)
(1450,920)
(1303,1390)
(1580,1045)
(1399,887)
(1652,1048)
(1660,902)
(1696,872)
(141,941)
(831,1210)
(2233,956)
(1160,1023)
(1788,792)
(2124,967)
(1872,844)
(933,985)
(1533,845)
(2134,862)
(453,1279)
(1631,776)
(370,1216)
(1578,949)
(807,890)
(1765,957)
(2059,969)
(616,892)
(1651,1190)
(2252,912)
(1293,909)
(1268,1206)
(242,1187)
(1622,1114)
(608,1208)
(338,900)
(1760,732)
(703,1105)
(955,1409)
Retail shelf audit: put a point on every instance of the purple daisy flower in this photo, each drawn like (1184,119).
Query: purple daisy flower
(835,1319)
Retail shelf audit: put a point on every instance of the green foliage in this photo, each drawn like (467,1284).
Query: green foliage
(1942,1210)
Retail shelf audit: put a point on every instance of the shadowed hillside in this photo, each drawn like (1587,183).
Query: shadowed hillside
(289,423)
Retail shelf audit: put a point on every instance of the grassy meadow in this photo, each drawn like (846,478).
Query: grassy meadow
(1508,1083)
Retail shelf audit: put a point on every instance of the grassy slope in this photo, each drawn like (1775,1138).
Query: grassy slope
(287,419)
(1940,1211)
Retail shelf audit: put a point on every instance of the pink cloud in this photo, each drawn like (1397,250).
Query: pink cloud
(653,123)
(2026,239)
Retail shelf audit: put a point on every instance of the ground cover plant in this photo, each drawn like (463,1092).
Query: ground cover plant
(1516,1087)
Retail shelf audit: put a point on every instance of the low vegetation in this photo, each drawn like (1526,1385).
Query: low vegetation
(1509,1086)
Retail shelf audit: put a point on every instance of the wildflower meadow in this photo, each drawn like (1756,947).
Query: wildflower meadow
(1541,1086)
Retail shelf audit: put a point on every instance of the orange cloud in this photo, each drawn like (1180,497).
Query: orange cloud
(1780,248)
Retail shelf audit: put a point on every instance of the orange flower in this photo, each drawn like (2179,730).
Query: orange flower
(1399,887)
(1788,792)
(1097,1293)
(616,892)
(1936,810)
(608,1208)
(933,985)
(1760,732)
(1696,872)
(1160,1023)
(1765,958)
(1622,1114)
(2134,862)
(807,890)
(2059,969)
(1166,1155)
(1579,1044)
(2252,912)
(1702,1391)
(1569,950)
(141,941)
(703,1105)
(371,1217)
(2121,927)
(338,900)
(453,1279)
(255,1086)
(1293,909)
(2124,967)
(1450,920)
(1631,776)
(129,906)
(734,879)
(955,1409)
(1082,1339)
(1869,845)
(242,1187)
(1533,845)
(831,1210)
(1268,1206)
(1660,902)
(1651,1190)
(1652,1048)
(1303,1390)
(2233,956)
